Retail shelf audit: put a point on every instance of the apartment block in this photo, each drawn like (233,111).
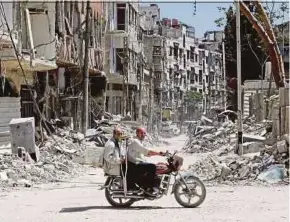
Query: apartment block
(123,51)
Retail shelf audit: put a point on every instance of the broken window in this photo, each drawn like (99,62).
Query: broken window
(183,41)
(121,8)
(156,50)
(206,79)
(118,105)
(117,87)
(187,54)
(119,60)
(130,14)
(191,53)
(184,61)
(180,53)
(200,76)
(192,75)
(175,50)
(158,75)
(170,50)
(200,57)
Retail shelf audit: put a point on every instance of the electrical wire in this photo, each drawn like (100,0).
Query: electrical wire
(25,78)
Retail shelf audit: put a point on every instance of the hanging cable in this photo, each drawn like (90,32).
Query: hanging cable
(194,8)
(23,73)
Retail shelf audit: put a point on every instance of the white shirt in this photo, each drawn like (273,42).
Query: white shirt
(136,151)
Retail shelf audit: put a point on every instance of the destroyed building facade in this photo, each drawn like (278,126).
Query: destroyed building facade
(123,57)
(189,64)
(52,59)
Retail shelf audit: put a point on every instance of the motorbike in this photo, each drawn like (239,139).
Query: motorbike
(184,186)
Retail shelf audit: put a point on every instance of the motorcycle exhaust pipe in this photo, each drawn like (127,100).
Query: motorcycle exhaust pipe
(127,196)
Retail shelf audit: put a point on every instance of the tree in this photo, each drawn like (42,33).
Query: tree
(254,50)
(192,99)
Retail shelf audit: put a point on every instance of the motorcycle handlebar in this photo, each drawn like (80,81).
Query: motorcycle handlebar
(168,154)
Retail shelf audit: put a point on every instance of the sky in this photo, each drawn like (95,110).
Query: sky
(206,13)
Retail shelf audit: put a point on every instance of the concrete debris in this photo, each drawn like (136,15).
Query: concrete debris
(207,138)
(268,165)
(62,155)
(214,135)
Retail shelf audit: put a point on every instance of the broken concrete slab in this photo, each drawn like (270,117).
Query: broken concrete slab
(3,176)
(282,147)
(23,135)
(253,138)
(252,147)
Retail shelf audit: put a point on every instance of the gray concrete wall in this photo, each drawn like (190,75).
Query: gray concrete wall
(9,109)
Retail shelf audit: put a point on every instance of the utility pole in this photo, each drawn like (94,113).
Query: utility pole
(239,80)
(209,83)
(150,106)
(224,76)
(140,79)
(125,75)
(86,72)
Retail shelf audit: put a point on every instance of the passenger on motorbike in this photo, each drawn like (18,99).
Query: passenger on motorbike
(112,154)
(141,172)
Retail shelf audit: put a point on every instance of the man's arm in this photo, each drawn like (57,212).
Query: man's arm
(154,153)
(110,154)
(146,151)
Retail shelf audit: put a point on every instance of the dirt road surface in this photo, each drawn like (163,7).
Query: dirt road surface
(80,200)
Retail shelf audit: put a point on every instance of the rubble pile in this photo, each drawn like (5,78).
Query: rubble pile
(55,162)
(209,136)
(271,164)
(104,128)
(58,155)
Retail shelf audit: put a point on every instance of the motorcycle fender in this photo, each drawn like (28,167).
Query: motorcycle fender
(107,183)
(178,180)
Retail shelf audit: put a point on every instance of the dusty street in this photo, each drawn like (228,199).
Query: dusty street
(80,200)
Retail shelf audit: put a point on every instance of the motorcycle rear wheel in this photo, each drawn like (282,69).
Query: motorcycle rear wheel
(112,201)
(181,186)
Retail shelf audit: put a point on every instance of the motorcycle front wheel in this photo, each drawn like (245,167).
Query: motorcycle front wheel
(117,202)
(185,195)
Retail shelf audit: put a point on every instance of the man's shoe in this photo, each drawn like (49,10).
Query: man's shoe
(155,191)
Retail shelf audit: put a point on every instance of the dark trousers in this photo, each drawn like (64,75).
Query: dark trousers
(142,174)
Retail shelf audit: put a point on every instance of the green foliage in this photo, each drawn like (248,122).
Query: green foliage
(253,50)
(192,98)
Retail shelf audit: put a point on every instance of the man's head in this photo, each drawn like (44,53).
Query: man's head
(141,133)
(117,133)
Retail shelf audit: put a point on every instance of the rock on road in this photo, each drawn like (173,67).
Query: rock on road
(80,200)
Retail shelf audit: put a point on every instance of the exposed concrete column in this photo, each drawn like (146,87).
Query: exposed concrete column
(284,110)
(110,103)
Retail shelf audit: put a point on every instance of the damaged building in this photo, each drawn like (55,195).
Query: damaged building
(123,58)
(48,84)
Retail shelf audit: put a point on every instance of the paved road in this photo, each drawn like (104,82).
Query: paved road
(80,200)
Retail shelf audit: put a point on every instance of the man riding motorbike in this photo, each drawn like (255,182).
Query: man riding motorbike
(139,171)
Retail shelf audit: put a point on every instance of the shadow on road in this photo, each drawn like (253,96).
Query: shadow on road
(82,209)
